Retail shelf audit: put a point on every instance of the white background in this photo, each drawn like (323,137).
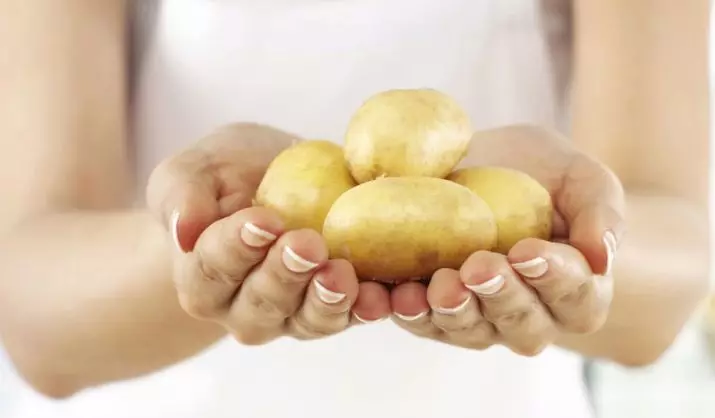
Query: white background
(681,385)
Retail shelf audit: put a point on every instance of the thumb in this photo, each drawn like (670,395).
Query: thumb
(184,195)
(597,232)
(592,202)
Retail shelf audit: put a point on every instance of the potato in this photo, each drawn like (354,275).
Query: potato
(522,207)
(303,181)
(395,229)
(409,132)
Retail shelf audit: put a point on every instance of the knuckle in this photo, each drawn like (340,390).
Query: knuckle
(274,267)
(227,260)
(197,307)
(482,331)
(478,336)
(452,325)
(582,311)
(577,296)
(306,329)
(290,279)
(209,272)
(266,307)
(512,319)
(236,249)
(250,338)
(477,344)
(530,349)
(533,343)
(481,346)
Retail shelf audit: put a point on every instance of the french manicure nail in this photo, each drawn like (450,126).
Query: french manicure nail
(532,269)
(327,295)
(296,263)
(256,237)
(368,321)
(609,240)
(175,230)
(454,311)
(410,318)
(489,287)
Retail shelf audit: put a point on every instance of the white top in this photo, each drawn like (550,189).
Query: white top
(305,66)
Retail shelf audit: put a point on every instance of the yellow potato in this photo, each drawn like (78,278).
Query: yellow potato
(409,132)
(395,229)
(522,207)
(303,181)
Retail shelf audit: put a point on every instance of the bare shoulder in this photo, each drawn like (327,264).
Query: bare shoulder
(62,111)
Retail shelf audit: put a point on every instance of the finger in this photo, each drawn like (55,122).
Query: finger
(592,201)
(411,310)
(456,311)
(184,194)
(560,274)
(326,308)
(372,305)
(522,322)
(559,228)
(275,289)
(207,279)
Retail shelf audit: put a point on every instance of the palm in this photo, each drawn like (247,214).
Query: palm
(221,174)
(540,289)
(582,188)
(236,158)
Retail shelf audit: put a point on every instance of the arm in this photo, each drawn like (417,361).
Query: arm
(85,295)
(641,106)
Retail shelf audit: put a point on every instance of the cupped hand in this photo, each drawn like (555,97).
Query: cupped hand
(236,264)
(540,289)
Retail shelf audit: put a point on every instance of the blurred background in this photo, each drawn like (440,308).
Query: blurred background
(680,385)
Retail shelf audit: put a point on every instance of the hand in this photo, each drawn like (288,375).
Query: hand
(235,264)
(525,299)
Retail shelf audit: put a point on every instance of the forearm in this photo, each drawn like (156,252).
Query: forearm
(87,298)
(661,272)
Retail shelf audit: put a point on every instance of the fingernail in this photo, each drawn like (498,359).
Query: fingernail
(368,321)
(296,263)
(175,230)
(410,318)
(327,295)
(609,240)
(256,237)
(489,287)
(457,309)
(533,268)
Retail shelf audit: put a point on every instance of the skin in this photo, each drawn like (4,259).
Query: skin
(113,264)
(640,89)
(637,91)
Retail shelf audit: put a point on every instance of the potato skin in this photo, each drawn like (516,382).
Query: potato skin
(522,207)
(396,229)
(407,132)
(303,181)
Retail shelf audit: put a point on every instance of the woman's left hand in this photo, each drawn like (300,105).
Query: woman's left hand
(525,299)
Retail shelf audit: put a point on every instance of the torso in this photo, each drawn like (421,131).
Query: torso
(305,66)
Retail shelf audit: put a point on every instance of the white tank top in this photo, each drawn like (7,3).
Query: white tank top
(305,66)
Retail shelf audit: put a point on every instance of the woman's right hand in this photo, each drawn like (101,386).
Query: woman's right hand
(235,264)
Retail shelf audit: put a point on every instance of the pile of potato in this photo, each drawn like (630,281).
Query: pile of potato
(391,200)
